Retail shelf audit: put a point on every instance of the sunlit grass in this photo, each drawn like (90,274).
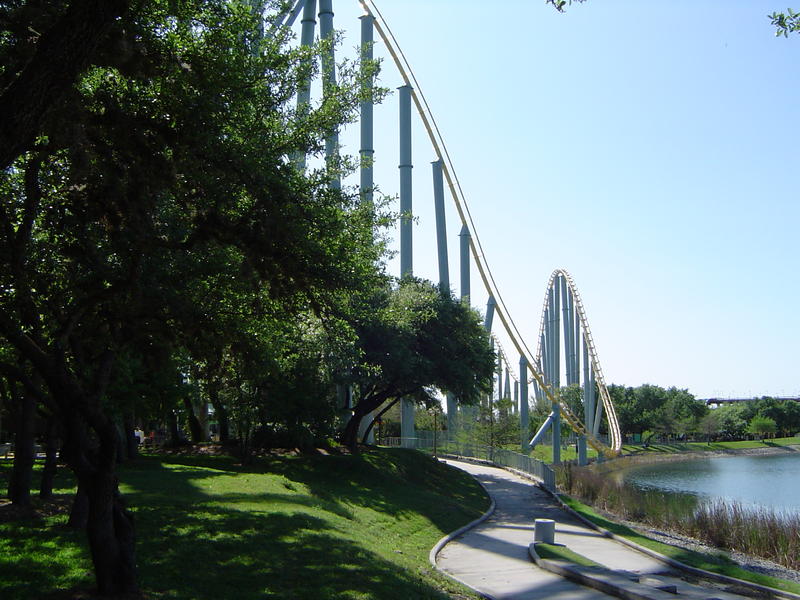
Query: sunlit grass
(672,448)
(559,552)
(290,527)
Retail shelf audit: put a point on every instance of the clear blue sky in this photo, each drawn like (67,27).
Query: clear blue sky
(649,148)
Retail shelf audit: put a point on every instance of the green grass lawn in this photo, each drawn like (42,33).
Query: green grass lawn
(287,527)
(709,447)
(558,552)
(716,563)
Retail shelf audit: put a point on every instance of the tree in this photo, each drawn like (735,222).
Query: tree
(711,425)
(732,420)
(163,147)
(44,52)
(785,23)
(416,340)
(761,426)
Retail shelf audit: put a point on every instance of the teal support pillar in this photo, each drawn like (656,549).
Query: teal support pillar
(464,243)
(582,451)
(308,25)
(405,166)
(441,226)
(328,82)
(524,418)
(489,317)
(367,152)
(556,384)
(598,412)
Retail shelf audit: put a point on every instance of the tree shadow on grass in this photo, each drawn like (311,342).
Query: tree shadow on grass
(197,540)
(215,552)
(194,543)
(41,554)
(447,496)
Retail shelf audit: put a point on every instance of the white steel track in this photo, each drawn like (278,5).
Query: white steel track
(481,263)
(586,334)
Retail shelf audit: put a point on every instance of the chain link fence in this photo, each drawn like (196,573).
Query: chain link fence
(428,441)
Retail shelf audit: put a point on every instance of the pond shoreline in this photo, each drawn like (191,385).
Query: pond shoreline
(749,562)
(648,457)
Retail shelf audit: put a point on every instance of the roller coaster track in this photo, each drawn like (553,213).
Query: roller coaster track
(477,252)
(586,333)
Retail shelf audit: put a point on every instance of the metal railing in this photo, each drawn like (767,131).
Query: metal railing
(426,441)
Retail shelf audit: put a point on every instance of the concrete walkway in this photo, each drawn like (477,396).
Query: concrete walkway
(493,558)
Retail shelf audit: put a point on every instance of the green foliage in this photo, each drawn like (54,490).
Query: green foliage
(561,5)
(159,221)
(158,244)
(762,426)
(668,412)
(416,342)
(785,23)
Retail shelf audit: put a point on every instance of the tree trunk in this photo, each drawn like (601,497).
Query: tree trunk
(350,434)
(172,423)
(131,442)
(79,513)
(375,419)
(195,429)
(364,406)
(98,505)
(51,459)
(221,413)
(111,535)
(19,484)
(121,446)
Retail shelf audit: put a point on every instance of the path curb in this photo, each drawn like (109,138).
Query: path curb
(612,583)
(451,536)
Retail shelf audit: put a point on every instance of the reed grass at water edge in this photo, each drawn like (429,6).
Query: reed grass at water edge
(727,525)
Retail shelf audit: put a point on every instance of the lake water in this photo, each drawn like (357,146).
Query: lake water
(771,481)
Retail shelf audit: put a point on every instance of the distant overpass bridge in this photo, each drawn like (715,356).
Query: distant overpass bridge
(715,402)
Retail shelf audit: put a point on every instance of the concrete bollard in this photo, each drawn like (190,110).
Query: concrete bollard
(544,530)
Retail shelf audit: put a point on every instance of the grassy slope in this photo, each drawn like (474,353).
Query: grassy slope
(710,447)
(719,563)
(293,527)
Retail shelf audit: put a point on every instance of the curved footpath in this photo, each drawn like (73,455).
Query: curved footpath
(493,557)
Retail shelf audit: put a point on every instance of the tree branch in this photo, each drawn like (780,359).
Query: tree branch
(62,53)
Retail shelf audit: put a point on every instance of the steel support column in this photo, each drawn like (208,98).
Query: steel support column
(309,23)
(524,418)
(556,384)
(464,243)
(367,151)
(406,249)
(328,81)
(405,166)
(567,326)
(588,395)
(441,226)
(489,317)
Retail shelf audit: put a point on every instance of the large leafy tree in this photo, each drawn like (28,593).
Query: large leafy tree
(416,342)
(158,161)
